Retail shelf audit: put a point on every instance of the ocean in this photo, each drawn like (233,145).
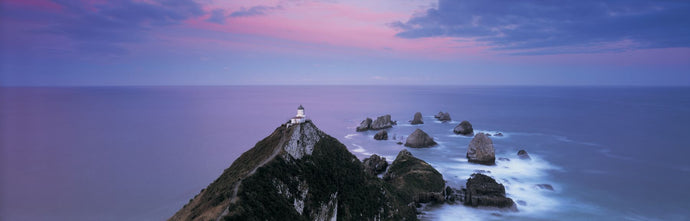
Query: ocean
(140,153)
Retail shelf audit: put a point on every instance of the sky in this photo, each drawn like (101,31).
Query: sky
(338,42)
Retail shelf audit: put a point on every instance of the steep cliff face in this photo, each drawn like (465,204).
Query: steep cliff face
(297,173)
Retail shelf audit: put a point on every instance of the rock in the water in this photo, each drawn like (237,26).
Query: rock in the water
(382,122)
(482,171)
(365,125)
(399,143)
(544,186)
(522,203)
(503,159)
(442,116)
(483,190)
(464,128)
(417,118)
(481,150)
(381,135)
(418,180)
(499,134)
(523,155)
(419,139)
(375,164)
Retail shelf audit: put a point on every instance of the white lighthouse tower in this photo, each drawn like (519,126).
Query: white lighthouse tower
(300,117)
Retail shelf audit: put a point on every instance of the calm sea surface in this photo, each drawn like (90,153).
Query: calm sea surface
(140,153)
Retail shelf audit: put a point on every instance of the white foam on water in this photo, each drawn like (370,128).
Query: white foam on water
(459,135)
(447,122)
(350,136)
(359,149)
(520,178)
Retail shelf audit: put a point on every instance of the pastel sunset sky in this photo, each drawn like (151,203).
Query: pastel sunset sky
(390,42)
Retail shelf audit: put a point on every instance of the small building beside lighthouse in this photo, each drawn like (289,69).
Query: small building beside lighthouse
(300,117)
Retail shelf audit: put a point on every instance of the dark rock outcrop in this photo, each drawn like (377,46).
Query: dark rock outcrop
(297,173)
(415,179)
(464,128)
(523,155)
(419,139)
(417,119)
(375,164)
(481,150)
(482,190)
(364,125)
(382,122)
(442,116)
(452,195)
(381,135)
(499,134)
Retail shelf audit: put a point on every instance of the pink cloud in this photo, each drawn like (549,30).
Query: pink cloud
(345,26)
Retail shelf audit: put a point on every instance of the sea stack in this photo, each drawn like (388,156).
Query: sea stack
(483,190)
(417,119)
(523,155)
(381,135)
(464,128)
(481,150)
(381,122)
(364,125)
(419,139)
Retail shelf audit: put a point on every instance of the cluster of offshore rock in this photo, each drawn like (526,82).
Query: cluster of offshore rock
(480,190)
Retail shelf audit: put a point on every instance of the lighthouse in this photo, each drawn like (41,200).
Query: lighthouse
(300,117)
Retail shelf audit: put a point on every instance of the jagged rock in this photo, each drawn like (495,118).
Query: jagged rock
(416,179)
(382,122)
(375,164)
(544,186)
(481,150)
(419,139)
(451,195)
(499,134)
(381,135)
(443,117)
(417,119)
(482,190)
(365,125)
(523,155)
(464,128)
(297,173)
(437,116)
(429,197)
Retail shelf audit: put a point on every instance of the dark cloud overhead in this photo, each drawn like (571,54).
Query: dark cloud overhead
(536,27)
(217,16)
(254,11)
(109,25)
